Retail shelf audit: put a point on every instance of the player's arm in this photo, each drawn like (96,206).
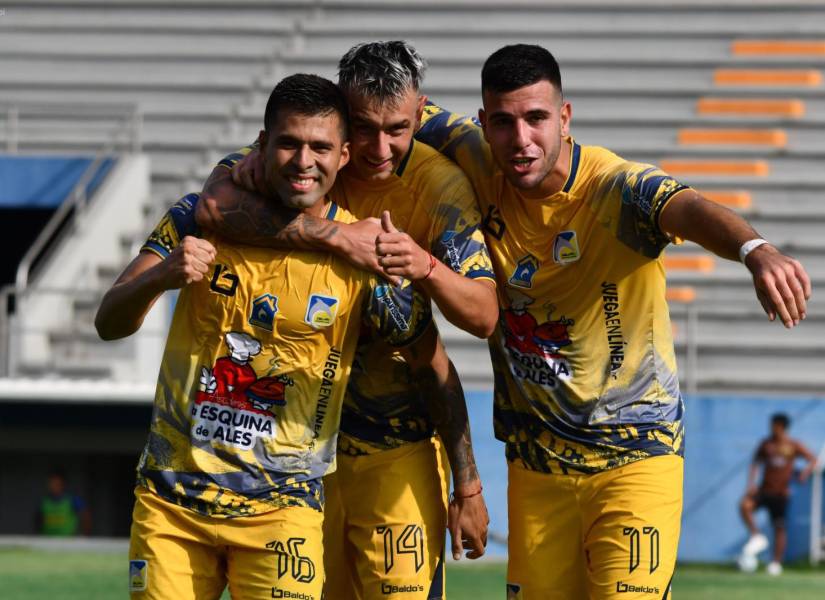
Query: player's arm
(438,382)
(165,262)
(468,303)
(233,207)
(803,452)
(782,285)
(753,470)
(458,137)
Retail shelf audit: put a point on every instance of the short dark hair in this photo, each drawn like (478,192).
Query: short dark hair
(513,67)
(309,95)
(382,71)
(781,419)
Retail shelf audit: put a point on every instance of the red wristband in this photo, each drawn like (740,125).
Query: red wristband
(454,497)
(433,260)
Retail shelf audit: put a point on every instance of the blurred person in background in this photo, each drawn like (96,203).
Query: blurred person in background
(61,513)
(776,455)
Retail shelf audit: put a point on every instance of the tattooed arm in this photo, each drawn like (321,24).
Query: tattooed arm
(438,382)
(250,218)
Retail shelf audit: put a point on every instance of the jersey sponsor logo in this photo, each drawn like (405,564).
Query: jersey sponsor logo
(629,588)
(513,591)
(279,593)
(321,311)
(264,309)
(533,347)
(525,270)
(388,588)
(613,325)
(233,405)
(138,575)
(382,292)
(448,239)
(566,248)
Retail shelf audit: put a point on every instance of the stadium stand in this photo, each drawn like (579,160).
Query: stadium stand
(694,86)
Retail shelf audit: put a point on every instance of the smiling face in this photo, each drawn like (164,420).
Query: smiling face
(302,156)
(525,129)
(381,133)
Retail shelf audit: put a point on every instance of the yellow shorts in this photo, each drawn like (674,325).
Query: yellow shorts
(385,523)
(611,535)
(177,553)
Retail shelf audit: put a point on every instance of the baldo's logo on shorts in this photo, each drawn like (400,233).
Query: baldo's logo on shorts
(279,593)
(629,588)
(387,588)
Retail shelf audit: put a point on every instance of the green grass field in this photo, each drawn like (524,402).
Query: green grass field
(41,575)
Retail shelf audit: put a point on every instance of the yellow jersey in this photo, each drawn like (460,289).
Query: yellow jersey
(249,395)
(583,358)
(431,199)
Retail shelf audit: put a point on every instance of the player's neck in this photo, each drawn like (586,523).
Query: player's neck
(319,209)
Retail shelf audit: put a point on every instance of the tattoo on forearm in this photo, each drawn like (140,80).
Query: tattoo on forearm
(251,219)
(449,413)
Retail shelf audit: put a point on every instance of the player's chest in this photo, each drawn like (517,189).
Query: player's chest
(286,295)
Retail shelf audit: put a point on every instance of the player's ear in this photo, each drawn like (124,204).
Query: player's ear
(565,114)
(262,140)
(482,118)
(419,110)
(344,159)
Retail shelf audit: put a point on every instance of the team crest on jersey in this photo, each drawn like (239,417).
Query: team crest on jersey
(321,310)
(525,270)
(233,405)
(534,349)
(566,248)
(264,309)
(138,575)
(513,591)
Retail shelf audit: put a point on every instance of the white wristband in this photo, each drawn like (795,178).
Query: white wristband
(749,247)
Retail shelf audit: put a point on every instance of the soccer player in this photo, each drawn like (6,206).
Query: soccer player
(249,396)
(587,398)
(776,455)
(387,503)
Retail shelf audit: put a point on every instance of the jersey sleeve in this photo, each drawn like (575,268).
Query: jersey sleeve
(455,234)
(230,160)
(176,224)
(644,191)
(460,139)
(397,314)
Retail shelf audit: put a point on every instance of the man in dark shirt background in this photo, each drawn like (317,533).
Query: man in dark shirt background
(776,454)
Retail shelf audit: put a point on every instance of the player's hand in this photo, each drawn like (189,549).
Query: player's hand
(356,242)
(467,520)
(249,172)
(187,263)
(782,285)
(398,254)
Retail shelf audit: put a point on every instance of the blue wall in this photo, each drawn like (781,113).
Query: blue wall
(43,181)
(722,433)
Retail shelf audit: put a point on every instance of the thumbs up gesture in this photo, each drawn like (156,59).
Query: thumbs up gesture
(398,254)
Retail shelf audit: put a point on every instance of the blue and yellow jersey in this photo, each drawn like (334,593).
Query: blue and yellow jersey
(249,396)
(583,358)
(432,200)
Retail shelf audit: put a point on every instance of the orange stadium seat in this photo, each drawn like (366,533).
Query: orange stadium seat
(684,295)
(796,47)
(751,106)
(730,198)
(750,137)
(805,77)
(703,263)
(755,168)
